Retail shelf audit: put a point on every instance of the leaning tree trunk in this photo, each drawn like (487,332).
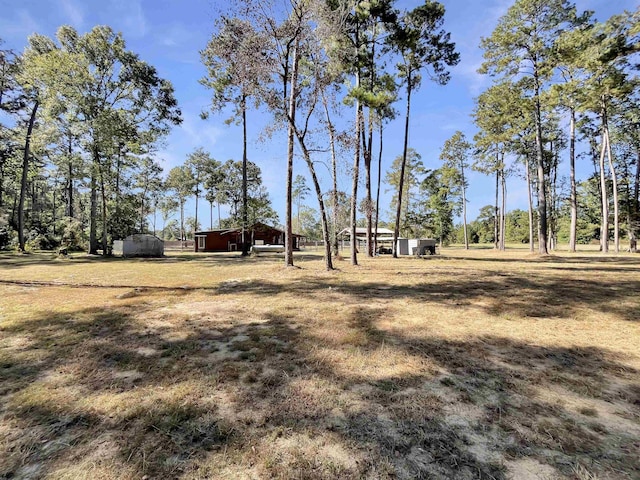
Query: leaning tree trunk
(403,165)
(25,174)
(323,213)
(334,175)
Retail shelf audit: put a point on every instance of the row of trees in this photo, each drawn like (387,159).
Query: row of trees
(549,63)
(81,113)
(87,117)
(294,60)
(82,121)
(561,77)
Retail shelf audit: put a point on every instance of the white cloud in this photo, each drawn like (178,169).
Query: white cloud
(175,35)
(132,17)
(17,27)
(73,12)
(200,133)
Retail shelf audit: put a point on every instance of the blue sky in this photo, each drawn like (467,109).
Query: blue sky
(169,34)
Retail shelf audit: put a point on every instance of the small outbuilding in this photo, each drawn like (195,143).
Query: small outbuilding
(139,245)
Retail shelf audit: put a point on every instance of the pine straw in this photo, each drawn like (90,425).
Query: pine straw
(465,365)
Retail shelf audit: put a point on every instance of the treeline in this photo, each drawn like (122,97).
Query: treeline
(563,83)
(88,117)
(83,119)
(565,88)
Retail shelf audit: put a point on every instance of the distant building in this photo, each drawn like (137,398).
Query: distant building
(230,239)
(139,245)
(384,240)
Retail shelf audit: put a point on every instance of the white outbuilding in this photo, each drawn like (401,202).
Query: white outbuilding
(139,245)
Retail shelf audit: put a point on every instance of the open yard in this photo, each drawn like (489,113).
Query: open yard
(465,365)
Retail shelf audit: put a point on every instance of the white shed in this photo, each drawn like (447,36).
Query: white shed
(139,245)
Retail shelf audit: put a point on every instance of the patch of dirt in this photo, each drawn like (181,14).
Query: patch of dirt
(530,469)
(128,375)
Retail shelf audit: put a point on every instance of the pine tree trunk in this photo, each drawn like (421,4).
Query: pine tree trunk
(375,238)
(604,225)
(496,211)
(464,206)
(182,224)
(70,180)
(636,183)
(3,159)
(288,240)
(396,230)
(104,213)
(542,191)
(369,201)
(93,213)
(24,177)
(503,214)
(573,194)
(245,246)
(527,167)
(553,212)
(616,206)
(354,185)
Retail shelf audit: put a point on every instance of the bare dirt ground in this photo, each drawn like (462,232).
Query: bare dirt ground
(464,365)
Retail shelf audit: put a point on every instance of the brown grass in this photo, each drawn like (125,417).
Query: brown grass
(466,365)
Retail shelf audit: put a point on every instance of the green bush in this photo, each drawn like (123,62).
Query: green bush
(72,234)
(36,240)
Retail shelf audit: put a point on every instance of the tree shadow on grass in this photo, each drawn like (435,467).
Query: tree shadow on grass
(125,391)
(502,400)
(10,260)
(502,294)
(596,258)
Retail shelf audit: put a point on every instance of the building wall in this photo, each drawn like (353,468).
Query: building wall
(219,242)
(139,246)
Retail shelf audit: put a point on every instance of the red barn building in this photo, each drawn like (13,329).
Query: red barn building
(230,239)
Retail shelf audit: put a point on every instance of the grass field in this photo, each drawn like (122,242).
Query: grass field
(465,365)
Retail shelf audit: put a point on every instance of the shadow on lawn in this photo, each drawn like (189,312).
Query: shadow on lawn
(104,389)
(591,265)
(498,294)
(11,260)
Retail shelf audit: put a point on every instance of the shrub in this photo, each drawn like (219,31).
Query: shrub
(72,234)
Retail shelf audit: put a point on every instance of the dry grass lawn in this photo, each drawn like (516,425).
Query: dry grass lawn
(465,365)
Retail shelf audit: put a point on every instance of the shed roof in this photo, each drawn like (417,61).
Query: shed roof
(363,231)
(255,226)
